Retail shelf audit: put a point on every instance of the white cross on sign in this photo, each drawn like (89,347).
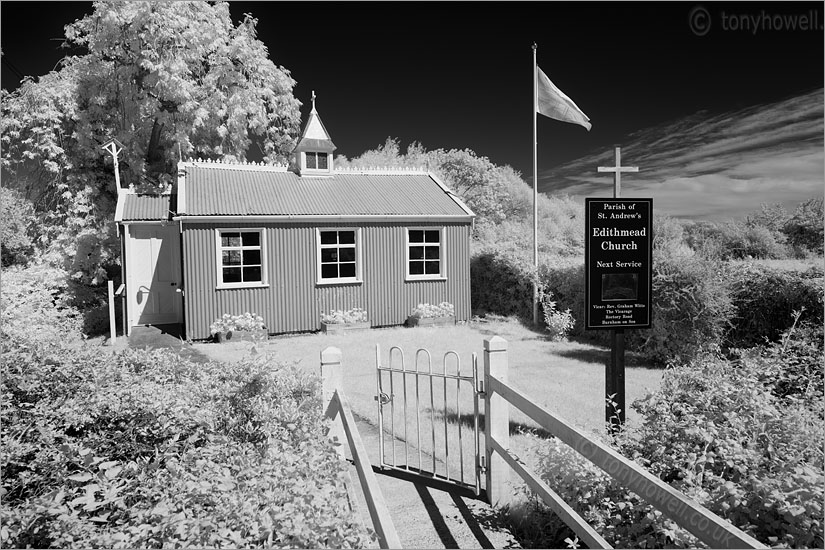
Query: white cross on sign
(617,172)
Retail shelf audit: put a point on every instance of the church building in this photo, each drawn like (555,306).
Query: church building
(291,245)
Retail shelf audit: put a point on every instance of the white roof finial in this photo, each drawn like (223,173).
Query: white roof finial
(313,101)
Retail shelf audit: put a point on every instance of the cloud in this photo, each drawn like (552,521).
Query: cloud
(714,166)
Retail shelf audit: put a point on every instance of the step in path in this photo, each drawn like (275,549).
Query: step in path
(429,513)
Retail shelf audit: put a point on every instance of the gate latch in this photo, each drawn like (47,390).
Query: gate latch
(383,398)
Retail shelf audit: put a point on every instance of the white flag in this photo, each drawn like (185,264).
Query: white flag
(553,103)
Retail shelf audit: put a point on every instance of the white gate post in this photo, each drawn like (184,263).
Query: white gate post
(496,421)
(332,377)
(111,297)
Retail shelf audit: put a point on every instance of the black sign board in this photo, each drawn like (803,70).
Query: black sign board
(618,255)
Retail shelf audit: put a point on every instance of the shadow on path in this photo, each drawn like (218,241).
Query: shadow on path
(164,337)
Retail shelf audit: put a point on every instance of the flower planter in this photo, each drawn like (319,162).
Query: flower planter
(431,321)
(241,336)
(337,328)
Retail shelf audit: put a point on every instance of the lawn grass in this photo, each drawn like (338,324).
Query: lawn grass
(565,377)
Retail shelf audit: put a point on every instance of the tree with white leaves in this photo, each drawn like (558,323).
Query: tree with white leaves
(166,79)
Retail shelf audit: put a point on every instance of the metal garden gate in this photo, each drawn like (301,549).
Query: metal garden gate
(443,451)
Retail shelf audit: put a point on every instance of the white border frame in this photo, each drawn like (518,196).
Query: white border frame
(359,271)
(220,285)
(442,254)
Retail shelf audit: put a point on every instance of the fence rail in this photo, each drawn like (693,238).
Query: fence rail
(338,407)
(687,513)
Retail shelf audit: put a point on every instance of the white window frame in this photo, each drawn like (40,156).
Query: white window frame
(358,279)
(264,282)
(442,256)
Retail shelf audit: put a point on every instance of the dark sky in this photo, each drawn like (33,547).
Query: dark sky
(459,75)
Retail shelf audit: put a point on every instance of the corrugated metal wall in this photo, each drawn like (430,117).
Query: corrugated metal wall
(293,302)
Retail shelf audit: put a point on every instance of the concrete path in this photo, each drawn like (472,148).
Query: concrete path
(429,513)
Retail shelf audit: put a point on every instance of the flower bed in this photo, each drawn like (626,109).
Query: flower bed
(233,328)
(336,328)
(430,315)
(241,336)
(431,321)
(337,320)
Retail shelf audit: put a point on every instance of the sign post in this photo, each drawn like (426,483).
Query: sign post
(618,255)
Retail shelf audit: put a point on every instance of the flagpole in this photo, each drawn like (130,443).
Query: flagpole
(535,193)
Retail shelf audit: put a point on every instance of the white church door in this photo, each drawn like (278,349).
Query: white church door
(153,275)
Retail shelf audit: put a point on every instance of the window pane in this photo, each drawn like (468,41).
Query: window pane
(416,252)
(347,270)
(311,160)
(432,268)
(416,268)
(251,257)
(329,271)
(416,236)
(252,274)
(432,236)
(232,274)
(346,254)
(328,237)
(251,238)
(322,161)
(230,239)
(431,252)
(346,237)
(329,255)
(231,257)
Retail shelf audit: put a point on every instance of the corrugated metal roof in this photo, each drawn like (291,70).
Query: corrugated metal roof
(145,207)
(216,191)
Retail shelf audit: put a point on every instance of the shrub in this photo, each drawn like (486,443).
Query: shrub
(793,367)
(249,322)
(715,431)
(501,283)
(18,228)
(564,277)
(35,305)
(428,311)
(338,316)
(558,323)
(146,449)
(669,237)
(805,229)
(765,299)
(691,310)
(727,434)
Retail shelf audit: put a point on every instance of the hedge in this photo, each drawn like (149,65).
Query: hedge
(765,299)
(697,304)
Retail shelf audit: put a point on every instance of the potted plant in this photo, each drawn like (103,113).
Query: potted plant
(246,327)
(338,320)
(430,315)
